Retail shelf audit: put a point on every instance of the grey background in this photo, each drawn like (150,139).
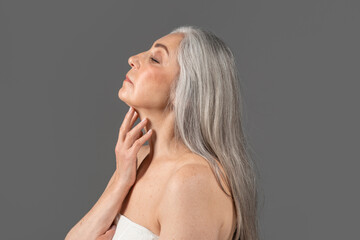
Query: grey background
(63,62)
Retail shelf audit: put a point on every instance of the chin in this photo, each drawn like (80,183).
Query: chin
(121,95)
(124,97)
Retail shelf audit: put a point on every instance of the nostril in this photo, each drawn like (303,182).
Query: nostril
(133,65)
(130,61)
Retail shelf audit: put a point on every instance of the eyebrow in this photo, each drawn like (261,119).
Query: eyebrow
(163,46)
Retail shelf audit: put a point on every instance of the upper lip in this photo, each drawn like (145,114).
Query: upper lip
(127,77)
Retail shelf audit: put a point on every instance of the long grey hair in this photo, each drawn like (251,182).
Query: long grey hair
(207,107)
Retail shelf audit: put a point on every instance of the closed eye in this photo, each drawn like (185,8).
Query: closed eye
(153,59)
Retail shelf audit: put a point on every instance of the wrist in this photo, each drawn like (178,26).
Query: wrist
(120,186)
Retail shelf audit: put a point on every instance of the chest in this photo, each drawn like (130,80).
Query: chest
(142,201)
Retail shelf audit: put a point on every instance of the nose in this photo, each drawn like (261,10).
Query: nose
(133,62)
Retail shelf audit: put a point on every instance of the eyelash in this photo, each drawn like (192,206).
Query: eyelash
(153,59)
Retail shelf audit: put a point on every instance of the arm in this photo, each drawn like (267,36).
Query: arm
(111,181)
(98,220)
(77,231)
(100,217)
(188,208)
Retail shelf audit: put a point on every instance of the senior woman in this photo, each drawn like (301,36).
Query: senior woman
(195,179)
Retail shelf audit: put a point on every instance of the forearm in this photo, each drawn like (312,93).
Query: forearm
(102,214)
(110,181)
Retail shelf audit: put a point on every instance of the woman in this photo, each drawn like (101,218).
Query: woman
(195,179)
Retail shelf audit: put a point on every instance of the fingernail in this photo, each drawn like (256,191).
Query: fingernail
(130,109)
(143,120)
(149,131)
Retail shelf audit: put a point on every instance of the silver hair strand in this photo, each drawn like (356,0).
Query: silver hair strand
(207,106)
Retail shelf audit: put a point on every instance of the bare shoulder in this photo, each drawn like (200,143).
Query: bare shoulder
(192,205)
(198,164)
(190,177)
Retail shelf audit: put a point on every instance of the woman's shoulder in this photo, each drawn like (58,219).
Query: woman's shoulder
(195,169)
(194,180)
(196,163)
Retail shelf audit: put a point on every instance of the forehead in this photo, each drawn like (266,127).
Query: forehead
(171,41)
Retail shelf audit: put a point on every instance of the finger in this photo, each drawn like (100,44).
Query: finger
(131,136)
(140,134)
(108,234)
(139,142)
(125,126)
(133,119)
(111,230)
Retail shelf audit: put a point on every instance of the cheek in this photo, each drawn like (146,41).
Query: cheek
(154,81)
(153,89)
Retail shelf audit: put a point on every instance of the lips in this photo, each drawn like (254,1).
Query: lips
(128,79)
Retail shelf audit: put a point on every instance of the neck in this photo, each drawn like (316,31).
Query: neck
(162,141)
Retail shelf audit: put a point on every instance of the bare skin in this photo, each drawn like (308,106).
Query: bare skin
(151,186)
(164,157)
(101,216)
(172,192)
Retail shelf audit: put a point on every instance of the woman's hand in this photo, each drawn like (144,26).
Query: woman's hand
(127,147)
(95,224)
(109,234)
